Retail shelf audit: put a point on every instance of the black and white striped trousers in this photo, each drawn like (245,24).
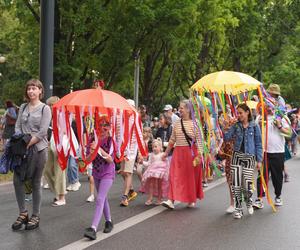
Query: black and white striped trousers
(242,169)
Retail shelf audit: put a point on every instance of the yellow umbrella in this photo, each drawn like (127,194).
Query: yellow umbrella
(229,82)
(251,104)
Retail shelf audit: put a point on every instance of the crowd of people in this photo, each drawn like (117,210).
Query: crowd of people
(172,171)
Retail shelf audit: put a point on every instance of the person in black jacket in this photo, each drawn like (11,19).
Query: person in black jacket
(165,130)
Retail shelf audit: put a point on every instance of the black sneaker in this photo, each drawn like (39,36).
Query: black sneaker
(108,227)
(90,233)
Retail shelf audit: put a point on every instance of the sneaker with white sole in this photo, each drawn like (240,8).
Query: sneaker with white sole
(258,204)
(278,201)
(74,187)
(237,214)
(59,203)
(230,209)
(70,187)
(91,198)
(168,204)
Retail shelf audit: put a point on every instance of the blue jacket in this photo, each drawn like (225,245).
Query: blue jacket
(252,139)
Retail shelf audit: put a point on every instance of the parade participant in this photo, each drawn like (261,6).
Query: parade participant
(33,119)
(185,169)
(127,166)
(155,178)
(147,138)
(275,157)
(247,151)
(104,175)
(225,154)
(54,175)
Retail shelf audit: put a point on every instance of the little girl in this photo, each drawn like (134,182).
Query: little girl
(104,175)
(155,178)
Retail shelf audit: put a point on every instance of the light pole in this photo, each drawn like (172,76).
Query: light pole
(136,77)
(46,45)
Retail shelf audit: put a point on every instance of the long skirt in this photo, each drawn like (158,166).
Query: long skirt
(185,179)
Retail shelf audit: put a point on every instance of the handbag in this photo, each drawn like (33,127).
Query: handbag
(5,162)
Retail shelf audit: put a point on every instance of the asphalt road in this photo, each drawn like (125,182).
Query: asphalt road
(140,227)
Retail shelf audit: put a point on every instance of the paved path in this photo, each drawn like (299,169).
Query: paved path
(140,227)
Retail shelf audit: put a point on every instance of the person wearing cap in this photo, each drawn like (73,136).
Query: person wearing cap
(168,109)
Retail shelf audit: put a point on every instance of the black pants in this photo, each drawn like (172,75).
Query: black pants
(275,167)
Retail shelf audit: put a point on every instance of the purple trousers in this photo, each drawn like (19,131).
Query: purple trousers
(102,206)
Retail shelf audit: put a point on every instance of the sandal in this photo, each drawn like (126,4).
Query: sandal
(148,203)
(22,219)
(33,223)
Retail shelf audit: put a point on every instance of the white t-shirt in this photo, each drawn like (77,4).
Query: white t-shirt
(174,118)
(276,140)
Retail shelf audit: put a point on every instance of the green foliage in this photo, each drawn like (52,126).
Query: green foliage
(178,41)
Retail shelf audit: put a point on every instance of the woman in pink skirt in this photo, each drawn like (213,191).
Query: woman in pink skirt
(185,178)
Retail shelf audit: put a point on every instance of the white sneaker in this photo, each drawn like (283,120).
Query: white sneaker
(278,201)
(46,186)
(237,215)
(70,187)
(168,204)
(258,204)
(76,186)
(59,203)
(91,198)
(250,210)
(230,209)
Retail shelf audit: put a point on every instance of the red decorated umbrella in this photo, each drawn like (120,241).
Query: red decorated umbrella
(87,108)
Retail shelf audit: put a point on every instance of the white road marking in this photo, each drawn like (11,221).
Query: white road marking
(123,225)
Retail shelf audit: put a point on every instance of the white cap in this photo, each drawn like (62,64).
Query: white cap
(168,107)
(131,102)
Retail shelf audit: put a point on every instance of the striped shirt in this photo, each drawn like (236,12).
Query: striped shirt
(178,136)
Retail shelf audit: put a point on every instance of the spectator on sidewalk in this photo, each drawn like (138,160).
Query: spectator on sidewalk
(10,118)
(165,130)
(168,109)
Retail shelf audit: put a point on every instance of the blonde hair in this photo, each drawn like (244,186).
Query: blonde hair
(36,83)
(52,100)
(158,141)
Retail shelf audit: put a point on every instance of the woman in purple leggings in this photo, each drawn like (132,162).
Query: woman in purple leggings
(104,174)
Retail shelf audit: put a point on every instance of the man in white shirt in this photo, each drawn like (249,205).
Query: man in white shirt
(277,127)
(169,110)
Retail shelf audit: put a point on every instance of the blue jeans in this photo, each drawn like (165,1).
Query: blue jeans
(72,172)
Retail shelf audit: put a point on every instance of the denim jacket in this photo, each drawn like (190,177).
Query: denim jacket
(252,139)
